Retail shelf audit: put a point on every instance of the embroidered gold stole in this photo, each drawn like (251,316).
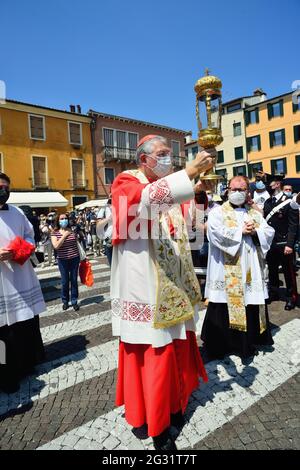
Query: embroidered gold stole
(178,289)
(233,274)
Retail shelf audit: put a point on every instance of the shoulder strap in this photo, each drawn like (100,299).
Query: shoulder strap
(277,208)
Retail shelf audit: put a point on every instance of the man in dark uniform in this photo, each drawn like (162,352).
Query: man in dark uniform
(285,220)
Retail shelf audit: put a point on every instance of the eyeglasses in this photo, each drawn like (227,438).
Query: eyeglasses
(4,186)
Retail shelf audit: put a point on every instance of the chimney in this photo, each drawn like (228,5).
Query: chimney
(188,138)
(261,93)
(72,108)
(78,109)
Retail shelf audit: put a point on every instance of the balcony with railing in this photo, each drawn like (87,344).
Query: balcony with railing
(39,183)
(78,183)
(119,154)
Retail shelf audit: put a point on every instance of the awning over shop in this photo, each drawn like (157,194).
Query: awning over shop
(38,199)
(92,203)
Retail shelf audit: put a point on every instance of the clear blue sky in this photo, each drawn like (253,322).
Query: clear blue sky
(141,58)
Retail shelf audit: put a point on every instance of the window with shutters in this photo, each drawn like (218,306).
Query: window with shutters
(75,133)
(253,143)
(37,127)
(278,167)
(252,117)
(175,148)
(220,156)
(277,138)
(222,172)
(132,140)
(120,145)
(109,174)
(297,158)
(255,168)
(78,173)
(108,137)
(239,170)
(237,129)
(39,167)
(275,109)
(296,133)
(238,153)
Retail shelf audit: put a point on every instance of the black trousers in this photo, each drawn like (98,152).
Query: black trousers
(276,258)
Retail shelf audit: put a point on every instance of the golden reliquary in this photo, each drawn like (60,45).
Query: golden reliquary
(209,114)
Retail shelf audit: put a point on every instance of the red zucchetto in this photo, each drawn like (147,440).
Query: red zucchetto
(146,138)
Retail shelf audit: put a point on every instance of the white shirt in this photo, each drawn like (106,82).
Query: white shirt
(260,198)
(294,204)
(231,240)
(107,230)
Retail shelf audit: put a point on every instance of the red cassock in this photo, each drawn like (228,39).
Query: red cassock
(152,382)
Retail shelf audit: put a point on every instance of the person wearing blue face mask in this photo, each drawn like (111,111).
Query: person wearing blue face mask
(260,194)
(65,242)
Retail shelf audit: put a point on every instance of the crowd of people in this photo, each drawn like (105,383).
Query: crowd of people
(83,223)
(157,227)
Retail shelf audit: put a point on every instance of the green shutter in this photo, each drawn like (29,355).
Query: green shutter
(296,133)
(297,158)
(247,118)
(284,166)
(281,107)
(283,136)
(271,139)
(273,166)
(257,115)
(249,171)
(259,142)
(248,142)
(220,158)
(238,151)
(270,111)
(295,107)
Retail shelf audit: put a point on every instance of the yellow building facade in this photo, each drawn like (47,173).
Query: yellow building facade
(273,136)
(47,150)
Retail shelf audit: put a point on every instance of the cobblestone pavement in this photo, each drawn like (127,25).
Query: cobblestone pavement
(69,402)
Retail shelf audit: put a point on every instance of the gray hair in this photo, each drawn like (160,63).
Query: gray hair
(147,147)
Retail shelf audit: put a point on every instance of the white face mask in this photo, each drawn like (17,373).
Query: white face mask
(237,198)
(163,166)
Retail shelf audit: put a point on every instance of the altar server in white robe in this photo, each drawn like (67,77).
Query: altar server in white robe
(236,320)
(21,298)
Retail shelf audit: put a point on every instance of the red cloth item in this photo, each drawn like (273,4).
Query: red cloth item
(145,139)
(155,382)
(126,191)
(86,273)
(22,250)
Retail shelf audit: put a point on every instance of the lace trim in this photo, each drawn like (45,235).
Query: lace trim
(132,311)
(253,287)
(160,193)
